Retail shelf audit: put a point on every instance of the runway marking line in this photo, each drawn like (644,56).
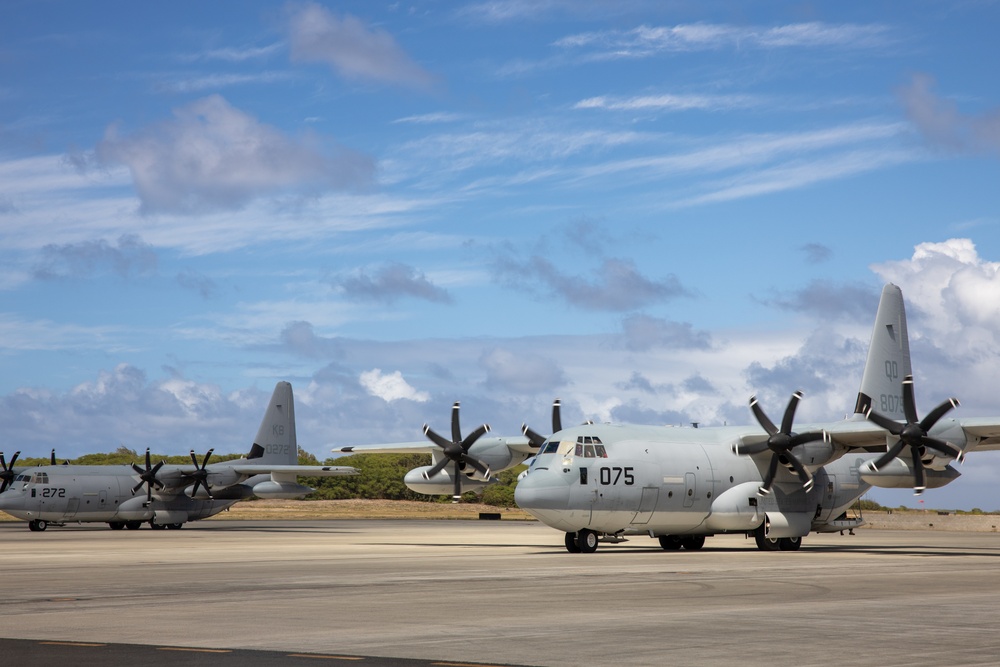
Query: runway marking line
(83,644)
(318,656)
(194,650)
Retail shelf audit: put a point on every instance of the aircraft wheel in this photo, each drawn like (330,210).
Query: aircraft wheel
(156,526)
(670,542)
(37,525)
(587,540)
(765,543)
(175,526)
(693,542)
(790,543)
(133,525)
(572,545)
(116,525)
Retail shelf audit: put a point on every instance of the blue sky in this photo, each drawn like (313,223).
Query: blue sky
(651,210)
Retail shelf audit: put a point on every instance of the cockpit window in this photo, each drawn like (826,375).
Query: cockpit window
(22,478)
(590,447)
(41,478)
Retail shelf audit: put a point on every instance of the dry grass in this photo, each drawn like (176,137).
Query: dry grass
(361,509)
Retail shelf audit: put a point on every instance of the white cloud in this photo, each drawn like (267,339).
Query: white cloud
(213,156)
(390,386)
(351,48)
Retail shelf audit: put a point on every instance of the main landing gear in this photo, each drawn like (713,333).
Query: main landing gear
(37,525)
(581,542)
(775,543)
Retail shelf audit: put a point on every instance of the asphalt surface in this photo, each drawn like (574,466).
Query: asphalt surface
(432,592)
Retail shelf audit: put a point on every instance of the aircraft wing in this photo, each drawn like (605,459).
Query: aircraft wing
(985,429)
(517,443)
(304,471)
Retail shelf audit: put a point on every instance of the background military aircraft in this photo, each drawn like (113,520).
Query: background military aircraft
(174,494)
(680,485)
(473,459)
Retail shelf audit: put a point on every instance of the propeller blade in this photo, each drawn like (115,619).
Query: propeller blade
(478,465)
(772,469)
(889,455)
(751,447)
(456,430)
(762,418)
(52,457)
(457,494)
(536,439)
(438,467)
(789,417)
(918,472)
(556,416)
(934,415)
(435,438)
(890,425)
(909,402)
(475,435)
(804,475)
(943,447)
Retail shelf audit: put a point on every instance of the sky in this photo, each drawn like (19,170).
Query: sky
(650,210)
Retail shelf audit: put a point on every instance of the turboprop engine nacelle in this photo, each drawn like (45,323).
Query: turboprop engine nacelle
(495,454)
(281,490)
(897,474)
(442,483)
(815,453)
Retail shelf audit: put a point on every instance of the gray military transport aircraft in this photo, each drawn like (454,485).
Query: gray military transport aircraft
(602,482)
(60,494)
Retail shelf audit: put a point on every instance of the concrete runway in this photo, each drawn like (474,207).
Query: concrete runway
(507,593)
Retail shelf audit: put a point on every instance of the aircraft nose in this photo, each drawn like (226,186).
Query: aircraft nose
(543,489)
(11,501)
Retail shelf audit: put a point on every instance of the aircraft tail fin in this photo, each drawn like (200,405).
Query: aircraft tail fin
(888,358)
(275,443)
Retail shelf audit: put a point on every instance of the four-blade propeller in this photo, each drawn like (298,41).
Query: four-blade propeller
(781,442)
(913,434)
(147,477)
(456,451)
(7,471)
(537,439)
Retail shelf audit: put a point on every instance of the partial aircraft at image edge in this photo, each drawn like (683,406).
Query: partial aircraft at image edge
(603,482)
(174,494)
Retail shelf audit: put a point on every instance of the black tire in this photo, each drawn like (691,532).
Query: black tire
(572,545)
(790,543)
(133,525)
(670,542)
(693,542)
(38,525)
(175,526)
(156,526)
(116,525)
(765,543)
(587,541)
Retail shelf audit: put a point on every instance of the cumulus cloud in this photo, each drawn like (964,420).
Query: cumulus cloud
(390,283)
(645,332)
(955,298)
(212,156)
(943,125)
(351,48)
(618,286)
(390,386)
(129,256)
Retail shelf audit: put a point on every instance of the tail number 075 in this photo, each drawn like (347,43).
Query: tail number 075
(610,476)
